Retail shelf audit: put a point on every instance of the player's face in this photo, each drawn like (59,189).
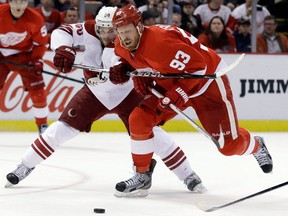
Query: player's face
(129,36)
(106,34)
(18,7)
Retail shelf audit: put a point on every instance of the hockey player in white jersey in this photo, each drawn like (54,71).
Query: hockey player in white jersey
(95,99)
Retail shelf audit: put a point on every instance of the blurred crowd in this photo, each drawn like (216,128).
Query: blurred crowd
(223,25)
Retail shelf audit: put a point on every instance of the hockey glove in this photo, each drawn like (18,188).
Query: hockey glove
(176,95)
(117,74)
(141,84)
(64,58)
(37,65)
(94,78)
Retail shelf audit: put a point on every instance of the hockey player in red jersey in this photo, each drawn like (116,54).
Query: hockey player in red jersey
(24,40)
(97,98)
(168,49)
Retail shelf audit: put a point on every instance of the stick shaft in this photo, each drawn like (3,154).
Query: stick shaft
(63,77)
(148,72)
(247,197)
(187,118)
(43,71)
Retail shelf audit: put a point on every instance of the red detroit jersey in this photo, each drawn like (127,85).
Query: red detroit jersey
(169,49)
(23,34)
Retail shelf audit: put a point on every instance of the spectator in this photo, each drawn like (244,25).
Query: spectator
(215,8)
(76,4)
(149,18)
(242,35)
(190,23)
(50,15)
(271,41)
(157,7)
(176,19)
(246,10)
(217,37)
(70,16)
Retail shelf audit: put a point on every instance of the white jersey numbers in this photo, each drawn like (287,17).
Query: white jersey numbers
(43,31)
(180,61)
(79,28)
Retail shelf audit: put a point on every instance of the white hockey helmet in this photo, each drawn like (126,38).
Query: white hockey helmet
(105,16)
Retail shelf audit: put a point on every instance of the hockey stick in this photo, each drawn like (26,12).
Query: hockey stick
(187,118)
(206,208)
(63,77)
(149,72)
(43,71)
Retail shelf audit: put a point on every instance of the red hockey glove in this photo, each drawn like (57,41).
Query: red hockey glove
(117,74)
(37,65)
(176,95)
(94,78)
(64,58)
(141,84)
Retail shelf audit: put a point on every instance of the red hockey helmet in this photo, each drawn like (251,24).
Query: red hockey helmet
(126,15)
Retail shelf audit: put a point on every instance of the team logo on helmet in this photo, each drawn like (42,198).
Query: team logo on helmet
(104,16)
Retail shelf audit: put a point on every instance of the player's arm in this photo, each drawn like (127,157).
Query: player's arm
(64,38)
(40,45)
(67,35)
(62,41)
(39,40)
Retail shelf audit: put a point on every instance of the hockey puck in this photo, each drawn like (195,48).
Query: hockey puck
(99,210)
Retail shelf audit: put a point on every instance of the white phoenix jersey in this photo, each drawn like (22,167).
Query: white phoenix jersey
(107,93)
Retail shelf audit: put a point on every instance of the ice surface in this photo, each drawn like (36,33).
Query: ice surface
(82,173)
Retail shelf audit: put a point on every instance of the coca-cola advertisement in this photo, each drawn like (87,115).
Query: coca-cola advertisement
(255,81)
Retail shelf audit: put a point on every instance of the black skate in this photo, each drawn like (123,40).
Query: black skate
(136,186)
(263,156)
(194,183)
(42,128)
(18,175)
